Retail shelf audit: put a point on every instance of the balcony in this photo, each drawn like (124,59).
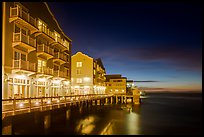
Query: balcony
(45,71)
(45,33)
(24,41)
(60,57)
(23,18)
(59,43)
(45,50)
(58,73)
(24,66)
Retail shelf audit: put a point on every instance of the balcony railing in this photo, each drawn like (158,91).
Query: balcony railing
(59,55)
(58,73)
(18,12)
(45,48)
(46,31)
(25,65)
(20,37)
(46,70)
(57,39)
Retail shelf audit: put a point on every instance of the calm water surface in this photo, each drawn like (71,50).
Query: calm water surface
(164,113)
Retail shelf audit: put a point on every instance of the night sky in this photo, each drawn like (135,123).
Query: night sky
(157,44)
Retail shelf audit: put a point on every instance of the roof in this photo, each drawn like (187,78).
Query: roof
(99,61)
(36,9)
(114,76)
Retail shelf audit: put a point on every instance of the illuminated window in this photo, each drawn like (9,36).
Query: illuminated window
(79,64)
(78,80)
(94,72)
(41,65)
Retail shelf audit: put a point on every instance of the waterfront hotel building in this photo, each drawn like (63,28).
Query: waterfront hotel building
(87,75)
(35,52)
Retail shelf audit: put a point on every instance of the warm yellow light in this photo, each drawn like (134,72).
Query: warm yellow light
(36,103)
(66,82)
(56,81)
(42,79)
(86,79)
(21,104)
(20,76)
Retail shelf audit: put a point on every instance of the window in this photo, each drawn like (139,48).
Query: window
(41,65)
(24,31)
(79,64)
(23,57)
(94,72)
(56,67)
(17,29)
(78,71)
(78,80)
(18,56)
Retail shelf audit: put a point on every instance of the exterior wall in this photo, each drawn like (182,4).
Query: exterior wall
(99,79)
(85,73)
(23,82)
(114,87)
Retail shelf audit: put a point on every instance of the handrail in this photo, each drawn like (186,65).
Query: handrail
(24,38)
(18,104)
(18,12)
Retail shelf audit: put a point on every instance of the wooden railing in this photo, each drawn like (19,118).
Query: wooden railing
(20,37)
(18,12)
(14,105)
(26,65)
(60,55)
(45,48)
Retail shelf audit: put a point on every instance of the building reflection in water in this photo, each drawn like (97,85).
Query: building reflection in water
(47,120)
(86,125)
(68,113)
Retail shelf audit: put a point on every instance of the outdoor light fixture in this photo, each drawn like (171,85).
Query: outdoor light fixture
(41,79)
(48,102)
(21,105)
(58,101)
(66,82)
(20,76)
(36,103)
(56,81)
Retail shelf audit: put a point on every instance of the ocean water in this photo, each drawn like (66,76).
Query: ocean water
(159,114)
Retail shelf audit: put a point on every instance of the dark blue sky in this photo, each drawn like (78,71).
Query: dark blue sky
(142,41)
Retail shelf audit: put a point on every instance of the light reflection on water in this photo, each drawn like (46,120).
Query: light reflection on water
(156,115)
(86,125)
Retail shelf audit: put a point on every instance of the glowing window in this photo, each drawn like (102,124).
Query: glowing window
(78,80)
(79,64)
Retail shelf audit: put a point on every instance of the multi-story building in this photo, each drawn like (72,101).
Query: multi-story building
(35,52)
(87,75)
(115,84)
